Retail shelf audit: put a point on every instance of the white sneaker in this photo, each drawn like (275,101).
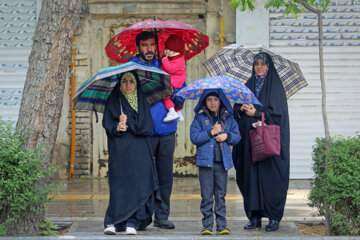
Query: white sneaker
(181,117)
(110,230)
(171,116)
(131,231)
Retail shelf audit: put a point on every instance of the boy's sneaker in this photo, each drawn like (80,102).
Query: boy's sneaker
(207,230)
(171,116)
(131,231)
(110,230)
(181,117)
(222,230)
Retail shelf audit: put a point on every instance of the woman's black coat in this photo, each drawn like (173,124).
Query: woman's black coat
(264,185)
(132,175)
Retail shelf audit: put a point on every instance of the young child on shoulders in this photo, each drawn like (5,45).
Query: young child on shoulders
(174,64)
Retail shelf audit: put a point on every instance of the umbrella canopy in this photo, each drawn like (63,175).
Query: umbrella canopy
(122,46)
(93,93)
(233,89)
(236,61)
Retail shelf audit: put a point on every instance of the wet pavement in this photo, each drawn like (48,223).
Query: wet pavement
(87,200)
(83,202)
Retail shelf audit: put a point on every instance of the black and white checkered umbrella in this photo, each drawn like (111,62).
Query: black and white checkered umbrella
(236,61)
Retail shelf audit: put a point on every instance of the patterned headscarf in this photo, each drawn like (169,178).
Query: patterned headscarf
(260,79)
(264,57)
(131,97)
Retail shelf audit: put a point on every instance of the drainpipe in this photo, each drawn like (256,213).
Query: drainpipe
(221,34)
(73,119)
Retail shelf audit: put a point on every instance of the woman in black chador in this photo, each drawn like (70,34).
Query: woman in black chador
(264,184)
(132,175)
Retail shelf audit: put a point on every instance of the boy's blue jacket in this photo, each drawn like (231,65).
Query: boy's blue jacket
(158,110)
(203,123)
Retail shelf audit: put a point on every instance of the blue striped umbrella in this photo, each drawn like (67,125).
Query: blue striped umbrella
(93,93)
(233,89)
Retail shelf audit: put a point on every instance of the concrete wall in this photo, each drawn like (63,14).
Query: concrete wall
(252,27)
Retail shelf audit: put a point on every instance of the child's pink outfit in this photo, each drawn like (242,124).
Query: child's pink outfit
(175,66)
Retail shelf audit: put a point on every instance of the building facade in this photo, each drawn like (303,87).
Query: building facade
(296,38)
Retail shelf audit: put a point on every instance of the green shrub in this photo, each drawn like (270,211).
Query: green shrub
(47,228)
(21,174)
(340,185)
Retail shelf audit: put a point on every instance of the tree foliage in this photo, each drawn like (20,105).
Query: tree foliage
(43,93)
(293,7)
(20,171)
(339,187)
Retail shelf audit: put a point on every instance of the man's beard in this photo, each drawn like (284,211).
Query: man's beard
(144,57)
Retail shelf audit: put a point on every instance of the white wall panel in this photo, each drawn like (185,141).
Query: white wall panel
(17,27)
(298,40)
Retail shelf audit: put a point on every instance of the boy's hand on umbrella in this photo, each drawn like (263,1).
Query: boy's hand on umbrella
(216,129)
(221,138)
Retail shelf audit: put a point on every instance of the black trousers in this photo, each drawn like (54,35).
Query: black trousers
(163,148)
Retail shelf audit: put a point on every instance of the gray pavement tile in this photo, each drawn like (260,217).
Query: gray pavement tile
(87,214)
(188,228)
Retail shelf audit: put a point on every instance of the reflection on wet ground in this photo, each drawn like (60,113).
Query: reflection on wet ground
(87,199)
(83,203)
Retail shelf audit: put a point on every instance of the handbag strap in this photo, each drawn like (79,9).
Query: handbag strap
(263,119)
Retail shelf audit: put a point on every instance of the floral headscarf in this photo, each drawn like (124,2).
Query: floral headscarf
(260,79)
(131,97)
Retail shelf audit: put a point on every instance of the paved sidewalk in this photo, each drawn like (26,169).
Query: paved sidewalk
(83,203)
(87,200)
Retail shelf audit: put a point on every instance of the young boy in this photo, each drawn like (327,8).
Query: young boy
(174,64)
(212,131)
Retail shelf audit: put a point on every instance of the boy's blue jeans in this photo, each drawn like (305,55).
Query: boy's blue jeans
(213,182)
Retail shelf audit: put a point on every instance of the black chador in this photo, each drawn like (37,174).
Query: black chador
(264,185)
(132,174)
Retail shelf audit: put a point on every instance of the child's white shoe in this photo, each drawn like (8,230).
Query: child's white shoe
(131,231)
(110,230)
(181,117)
(171,115)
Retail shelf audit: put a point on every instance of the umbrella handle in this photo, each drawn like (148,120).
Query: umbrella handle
(121,110)
(157,43)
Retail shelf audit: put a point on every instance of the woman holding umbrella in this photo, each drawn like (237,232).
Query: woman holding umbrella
(264,184)
(132,175)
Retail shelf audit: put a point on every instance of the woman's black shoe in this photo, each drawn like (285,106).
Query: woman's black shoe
(272,226)
(253,223)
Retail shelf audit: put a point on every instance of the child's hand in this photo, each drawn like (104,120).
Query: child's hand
(221,138)
(166,53)
(216,129)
